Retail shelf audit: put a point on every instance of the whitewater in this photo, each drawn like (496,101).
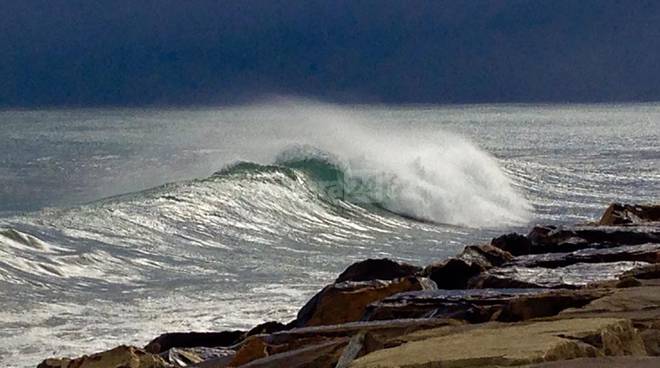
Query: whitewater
(119,224)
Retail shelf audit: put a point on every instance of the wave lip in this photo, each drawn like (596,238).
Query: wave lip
(455,184)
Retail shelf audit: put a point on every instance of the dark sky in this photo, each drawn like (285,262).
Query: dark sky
(140,52)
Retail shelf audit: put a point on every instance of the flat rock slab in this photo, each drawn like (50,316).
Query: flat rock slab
(573,276)
(649,252)
(473,305)
(497,344)
(639,304)
(606,362)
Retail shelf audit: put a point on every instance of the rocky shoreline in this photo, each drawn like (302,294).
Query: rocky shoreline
(581,296)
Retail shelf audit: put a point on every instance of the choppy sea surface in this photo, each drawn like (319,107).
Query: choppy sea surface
(117,225)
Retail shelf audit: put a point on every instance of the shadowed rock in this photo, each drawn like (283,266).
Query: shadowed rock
(625,214)
(472,306)
(377,269)
(167,341)
(513,243)
(452,273)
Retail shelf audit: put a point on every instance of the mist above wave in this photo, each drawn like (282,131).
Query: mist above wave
(417,171)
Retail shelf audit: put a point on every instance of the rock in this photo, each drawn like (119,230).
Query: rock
(526,307)
(553,239)
(189,356)
(473,306)
(267,328)
(494,281)
(626,282)
(649,252)
(262,346)
(167,341)
(347,301)
(625,214)
(651,338)
(487,256)
(377,269)
(639,304)
(452,273)
(513,243)
(119,357)
(569,277)
(645,272)
(604,362)
(477,306)
(497,344)
(387,329)
(323,355)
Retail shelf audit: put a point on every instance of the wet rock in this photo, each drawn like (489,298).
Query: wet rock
(167,341)
(649,252)
(119,357)
(473,306)
(497,344)
(377,269)
(569,277)
(513,243)
(453,273)
(553,239)
(347,301)
(183,357)
(646,272)
(487,256)
(625,214)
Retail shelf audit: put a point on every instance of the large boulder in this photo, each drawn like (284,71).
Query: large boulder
(346,301)
(513,243)
(119,357)
(377,269)
(626,214)
(498,344)
(453,273)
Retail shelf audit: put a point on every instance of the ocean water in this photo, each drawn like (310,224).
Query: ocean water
(117,225)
